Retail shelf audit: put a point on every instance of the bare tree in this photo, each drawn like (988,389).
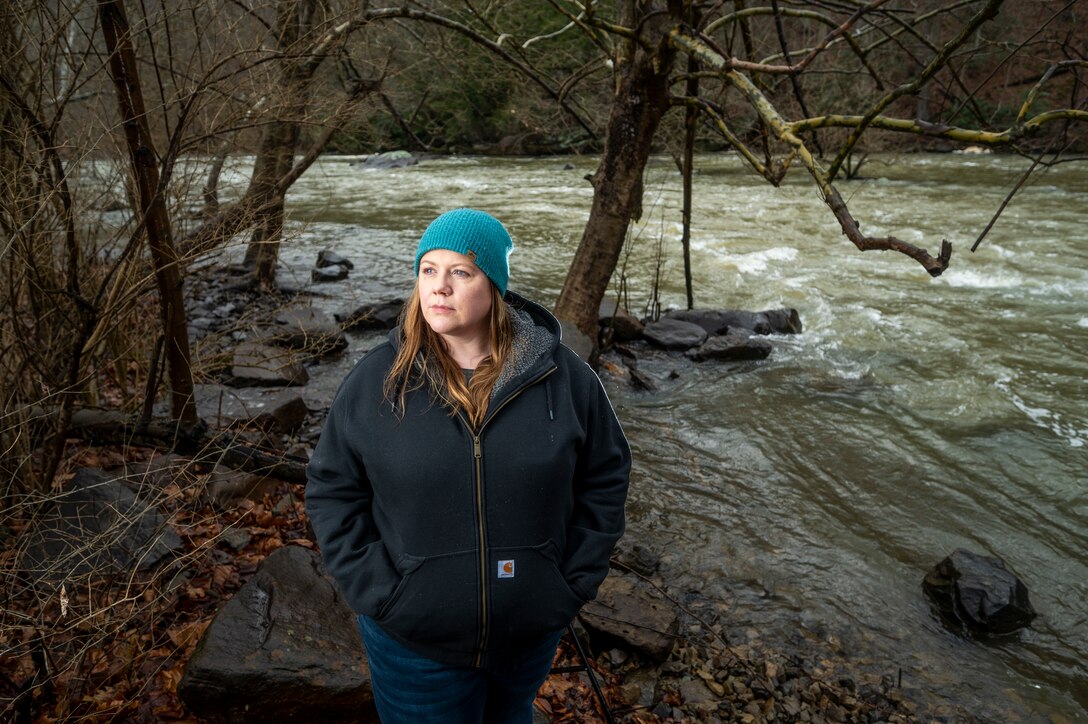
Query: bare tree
(741,98)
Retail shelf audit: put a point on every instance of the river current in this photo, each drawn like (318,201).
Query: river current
(809,493)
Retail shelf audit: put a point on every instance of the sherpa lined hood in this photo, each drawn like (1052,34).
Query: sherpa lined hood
(537,335)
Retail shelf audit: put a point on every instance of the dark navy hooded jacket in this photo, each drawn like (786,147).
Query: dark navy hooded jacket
(467,546)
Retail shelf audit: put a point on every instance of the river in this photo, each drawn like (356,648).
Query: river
(809,493)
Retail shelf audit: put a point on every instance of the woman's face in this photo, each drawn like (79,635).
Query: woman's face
(455,296)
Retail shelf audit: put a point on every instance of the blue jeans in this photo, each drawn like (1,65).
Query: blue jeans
(409,688)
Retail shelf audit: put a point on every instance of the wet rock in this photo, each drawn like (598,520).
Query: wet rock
(731,347)
(624,326)
(308,329)
(625,611)
(325,258)
(96,526)
(389,159)
(642,381)
(712,320)
(223,406)
(783,321)
(674,334)
(697,696)
(262,365)
(284,648)
(721,321)
(328,274)
(979,593)
(286,416)
(381,315)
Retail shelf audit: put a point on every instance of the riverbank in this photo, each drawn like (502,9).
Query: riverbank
(704,675)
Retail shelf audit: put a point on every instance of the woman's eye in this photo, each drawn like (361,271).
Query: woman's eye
(460,272)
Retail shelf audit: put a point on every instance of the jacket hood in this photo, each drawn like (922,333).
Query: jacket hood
(537,336)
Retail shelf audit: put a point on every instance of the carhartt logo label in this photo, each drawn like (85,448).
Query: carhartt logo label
(506,569)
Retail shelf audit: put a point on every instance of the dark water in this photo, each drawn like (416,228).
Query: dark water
(811,492)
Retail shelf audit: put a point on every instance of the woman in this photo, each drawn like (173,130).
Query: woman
(468,487)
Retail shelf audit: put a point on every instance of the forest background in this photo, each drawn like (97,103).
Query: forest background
(138,105)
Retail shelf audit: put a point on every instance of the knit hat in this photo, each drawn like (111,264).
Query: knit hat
(476,234)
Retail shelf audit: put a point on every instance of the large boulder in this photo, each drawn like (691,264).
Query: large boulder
(284,648)
(724,321)
(310,330)
(258,365)
(379,315)
(327,257)
(97,526)
(730,348)
(390,159)
(627,614)
(978,593)
(319,275)
(674,334)
(624,326)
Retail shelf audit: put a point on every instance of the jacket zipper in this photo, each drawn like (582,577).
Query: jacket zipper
(477,453)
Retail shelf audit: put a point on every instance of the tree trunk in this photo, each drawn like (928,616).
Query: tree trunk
(276,155)
(274,161)
(638,104)
(152,200)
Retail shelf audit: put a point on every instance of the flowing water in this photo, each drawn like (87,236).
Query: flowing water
(810,493)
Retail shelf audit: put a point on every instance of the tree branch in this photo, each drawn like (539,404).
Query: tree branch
(781,129)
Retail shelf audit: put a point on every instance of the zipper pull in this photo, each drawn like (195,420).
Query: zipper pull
(476,447)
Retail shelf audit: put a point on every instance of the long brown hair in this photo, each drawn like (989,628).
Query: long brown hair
(423,358)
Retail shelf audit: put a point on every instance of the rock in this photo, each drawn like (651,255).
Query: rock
(286,417)
(235,538)
(731,347)
(674,334)
(643,683)
(225,486)
(309,329)
(978,592)
(783,321)
(625,611)
(389,159)
(381,315)
(712,320)
(328,274)
(624,325)
(284,648)
(97,526)
(641,381)
(259,364)
(697,696)
(326,258)
(223,406)
(721,321)
(576,340)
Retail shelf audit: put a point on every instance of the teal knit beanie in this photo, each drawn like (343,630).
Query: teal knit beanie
(476,234)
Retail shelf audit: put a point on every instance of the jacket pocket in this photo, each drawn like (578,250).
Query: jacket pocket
(436,601)
(529,597)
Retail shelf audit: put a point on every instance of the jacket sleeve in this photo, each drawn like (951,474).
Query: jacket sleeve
(339,501)
(600,493)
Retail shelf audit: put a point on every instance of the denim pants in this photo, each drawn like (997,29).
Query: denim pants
(409,688)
